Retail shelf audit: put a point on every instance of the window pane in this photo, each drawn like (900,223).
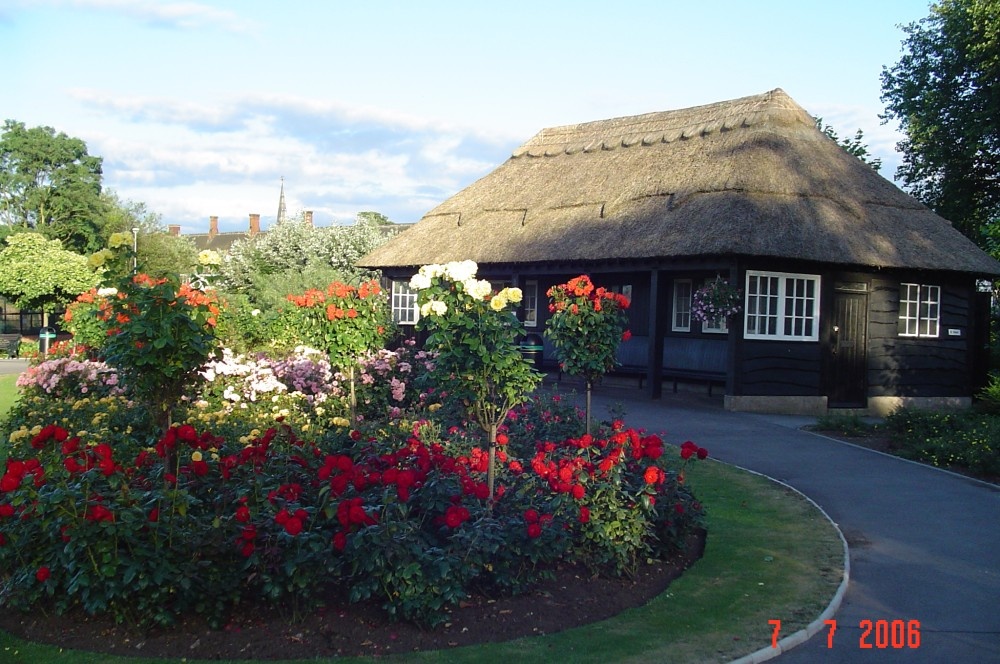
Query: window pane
(682,306)
(530,303)
(404,303)
(783,306)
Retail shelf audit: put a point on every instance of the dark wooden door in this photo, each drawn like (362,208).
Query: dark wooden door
(847,376)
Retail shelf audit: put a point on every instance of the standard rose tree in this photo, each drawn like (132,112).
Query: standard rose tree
(586,326)
(475,333)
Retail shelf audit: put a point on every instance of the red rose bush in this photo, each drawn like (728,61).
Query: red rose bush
(262,491)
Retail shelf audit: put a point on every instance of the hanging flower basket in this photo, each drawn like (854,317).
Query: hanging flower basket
(716,301)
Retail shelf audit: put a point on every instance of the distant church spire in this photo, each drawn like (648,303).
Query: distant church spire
(281,202)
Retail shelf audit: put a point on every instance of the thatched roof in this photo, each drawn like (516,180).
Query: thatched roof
(749,177)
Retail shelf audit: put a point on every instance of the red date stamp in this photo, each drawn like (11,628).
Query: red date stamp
(881,634)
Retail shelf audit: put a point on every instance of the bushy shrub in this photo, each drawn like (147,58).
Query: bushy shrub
(69,377)
(989,396)
(87,320)
(962,439)
(201,523)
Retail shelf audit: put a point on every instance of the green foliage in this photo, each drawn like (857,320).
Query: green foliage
(50,184)
(158,252)
(586,326)
(243,326)
(848,425)
(989,396)
(295,256)
(199,523)
(961,439)
(854,146)
(37,274)
(344,321)
(269,292)
(475,337)
(943,93)
(161,334)
(85,318)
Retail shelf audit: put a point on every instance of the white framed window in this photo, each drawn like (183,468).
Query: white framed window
(782,306)
(919,310)
(529,302)
(682,306)
(404,304)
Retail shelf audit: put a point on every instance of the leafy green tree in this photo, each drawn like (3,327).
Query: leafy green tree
(37,274)
(294,256)
(854,146)
(945,94)
(159,253)
(370,217)
(49,183)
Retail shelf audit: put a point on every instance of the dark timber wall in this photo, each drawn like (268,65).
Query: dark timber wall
(913,366)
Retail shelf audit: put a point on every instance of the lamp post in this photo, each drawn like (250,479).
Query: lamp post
(135,249)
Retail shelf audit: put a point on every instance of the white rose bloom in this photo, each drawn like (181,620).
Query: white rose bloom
(461,271)
(478,288)
(420,281)
(107,292)
(431,271)
(439,308)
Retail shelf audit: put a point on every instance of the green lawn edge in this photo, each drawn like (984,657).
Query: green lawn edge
(770,555)
(8,392)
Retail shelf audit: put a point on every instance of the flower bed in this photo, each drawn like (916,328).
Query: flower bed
(272,481)
(200,523)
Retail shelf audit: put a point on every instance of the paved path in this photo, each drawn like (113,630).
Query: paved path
(925,544)
(12,366)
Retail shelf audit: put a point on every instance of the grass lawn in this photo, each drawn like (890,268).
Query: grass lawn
(770,555)
(8,392)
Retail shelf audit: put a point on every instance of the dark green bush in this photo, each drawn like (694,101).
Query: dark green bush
(963,440)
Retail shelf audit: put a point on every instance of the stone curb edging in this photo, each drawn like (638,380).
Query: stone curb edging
(803,635)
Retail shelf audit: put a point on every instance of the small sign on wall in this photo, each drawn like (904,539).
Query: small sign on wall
(953,332)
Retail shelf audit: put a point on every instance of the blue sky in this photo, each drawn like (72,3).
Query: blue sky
(199,108)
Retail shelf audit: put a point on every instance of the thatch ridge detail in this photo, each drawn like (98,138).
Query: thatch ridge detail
(751,176)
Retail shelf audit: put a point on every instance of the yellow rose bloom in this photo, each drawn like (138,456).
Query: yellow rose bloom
(196,456)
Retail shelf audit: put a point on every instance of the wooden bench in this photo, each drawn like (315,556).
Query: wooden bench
(10,343)
(694,375)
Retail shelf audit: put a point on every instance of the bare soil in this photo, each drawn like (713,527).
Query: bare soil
(571,599)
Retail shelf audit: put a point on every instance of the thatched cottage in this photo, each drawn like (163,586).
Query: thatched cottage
(854,294)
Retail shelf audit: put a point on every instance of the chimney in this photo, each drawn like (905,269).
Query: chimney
(309,217)
(174,229)
(254,224)
(213,227)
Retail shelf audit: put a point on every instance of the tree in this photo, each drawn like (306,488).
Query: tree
(370,217)
(854,146)
(945,93)
(37,274)
(159,253)
(50,184)
(294,256)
